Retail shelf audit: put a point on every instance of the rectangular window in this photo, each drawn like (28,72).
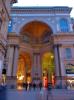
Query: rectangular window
(68,53)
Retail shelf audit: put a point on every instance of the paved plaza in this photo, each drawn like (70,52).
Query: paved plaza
(37,94)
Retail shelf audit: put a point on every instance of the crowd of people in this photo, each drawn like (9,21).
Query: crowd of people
(28,86)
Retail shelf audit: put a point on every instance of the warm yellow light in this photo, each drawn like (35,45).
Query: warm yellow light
(71,81)
(29,80)
(19,87)
(20,77)
(52,56)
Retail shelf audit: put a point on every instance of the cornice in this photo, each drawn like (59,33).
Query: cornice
(63,35)
(53,9)
(12,35)
(64,39)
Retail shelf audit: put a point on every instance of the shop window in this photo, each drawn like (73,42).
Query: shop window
(64,25)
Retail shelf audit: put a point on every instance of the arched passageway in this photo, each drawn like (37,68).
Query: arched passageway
(48,66)
(24,68)
(35,36)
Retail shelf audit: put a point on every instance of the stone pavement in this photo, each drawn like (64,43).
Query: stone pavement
(43,94)
(61,94)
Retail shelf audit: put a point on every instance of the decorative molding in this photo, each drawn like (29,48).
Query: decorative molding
(63,9)
(64,38)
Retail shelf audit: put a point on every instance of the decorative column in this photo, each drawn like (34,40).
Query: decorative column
(10,60)
(62,67)
(39,65)
(15,65)
(34,68)
(59,69)
(57,64)
(36,71)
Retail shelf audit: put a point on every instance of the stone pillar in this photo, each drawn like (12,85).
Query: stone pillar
(56,60)
(62,67)
(36,67)
(57,64)
(10,60)
(59,68)
(15,65)
(39,66)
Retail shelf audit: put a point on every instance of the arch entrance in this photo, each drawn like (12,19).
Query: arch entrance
(48,67)
(24,68)
(36,37)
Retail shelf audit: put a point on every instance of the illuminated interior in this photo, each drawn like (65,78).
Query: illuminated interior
(35,29)
(48,65)
(35,32)
(24,68)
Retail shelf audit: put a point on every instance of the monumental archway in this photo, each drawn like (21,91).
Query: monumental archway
(36,36)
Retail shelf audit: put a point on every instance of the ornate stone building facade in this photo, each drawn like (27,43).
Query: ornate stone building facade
(5,7)
(40,43)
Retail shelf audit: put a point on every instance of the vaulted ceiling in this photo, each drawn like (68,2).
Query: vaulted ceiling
(35,29)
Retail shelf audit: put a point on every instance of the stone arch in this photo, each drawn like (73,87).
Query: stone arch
(35,19)
(34,25)
(36,32)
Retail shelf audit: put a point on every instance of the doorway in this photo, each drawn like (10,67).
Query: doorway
(24,68)
(48,68)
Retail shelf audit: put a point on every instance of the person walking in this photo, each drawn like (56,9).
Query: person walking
(40,85)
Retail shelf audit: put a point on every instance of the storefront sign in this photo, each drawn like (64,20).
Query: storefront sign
(69,69)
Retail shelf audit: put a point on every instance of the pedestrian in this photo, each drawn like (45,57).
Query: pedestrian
(30,85)
(26,86)
(34,86)
(40,85)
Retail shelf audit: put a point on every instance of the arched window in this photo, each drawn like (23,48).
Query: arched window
(64,25)
(0,23)
(10,26)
